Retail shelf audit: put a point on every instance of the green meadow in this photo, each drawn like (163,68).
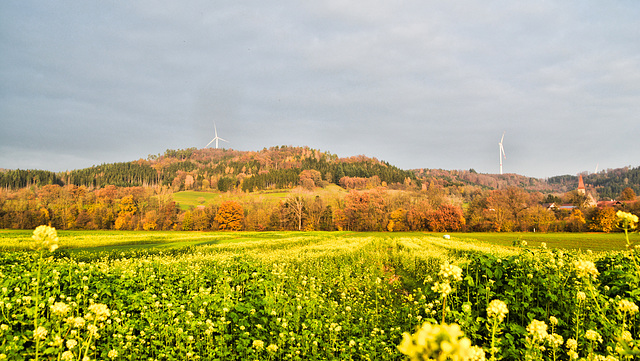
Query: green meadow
(189,199)
(15,240)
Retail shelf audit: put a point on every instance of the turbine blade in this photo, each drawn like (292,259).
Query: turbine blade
(210,142)
(224,140)
(503,152)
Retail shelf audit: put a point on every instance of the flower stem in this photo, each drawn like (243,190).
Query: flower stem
(37,306)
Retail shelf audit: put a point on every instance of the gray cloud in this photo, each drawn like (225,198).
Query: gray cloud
(418,84)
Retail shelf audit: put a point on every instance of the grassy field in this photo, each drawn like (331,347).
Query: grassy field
(188,199)
(597,242)
(12,240)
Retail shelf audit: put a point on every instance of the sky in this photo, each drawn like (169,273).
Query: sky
(419,84)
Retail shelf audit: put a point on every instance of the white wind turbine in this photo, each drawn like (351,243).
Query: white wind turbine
(502,153)
(217,138)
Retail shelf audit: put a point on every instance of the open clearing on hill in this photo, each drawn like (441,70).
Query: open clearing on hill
(188,199)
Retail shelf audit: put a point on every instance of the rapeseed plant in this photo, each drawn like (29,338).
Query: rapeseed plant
(496,312)
(439,342)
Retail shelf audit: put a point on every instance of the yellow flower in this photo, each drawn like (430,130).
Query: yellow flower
(628,220)
(112,354)
(272,348)
(586,269)
(71,344)
(437,342)
(45,237)
(57,341)
(592,335)
(67,356)
(627,306)
(538,330)
(450,271)
(497,309)
(40,333)
(258,344)
(555,340)
(443,288)
(60,308)
(101,312)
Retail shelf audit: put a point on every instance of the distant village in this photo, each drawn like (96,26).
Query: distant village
(589,201)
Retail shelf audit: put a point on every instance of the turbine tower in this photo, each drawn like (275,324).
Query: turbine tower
(217,138)
(502,153)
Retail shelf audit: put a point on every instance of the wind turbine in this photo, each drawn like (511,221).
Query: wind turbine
(217,138)
(502,153)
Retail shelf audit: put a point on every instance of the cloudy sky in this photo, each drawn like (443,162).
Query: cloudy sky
(420,84)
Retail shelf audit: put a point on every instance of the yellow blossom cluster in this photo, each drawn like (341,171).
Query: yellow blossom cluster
(439,342)
(443,288)
(99,310)
(40,333)
(627,306)
(258,344)
(628,220)
(497,309)
(593,336)
(60,308)
(581,296)
(45,237)
(538,330)
(450,271)
(586,269)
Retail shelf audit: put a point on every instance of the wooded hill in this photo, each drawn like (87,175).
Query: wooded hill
(209,169)
(605,185)
(283,167)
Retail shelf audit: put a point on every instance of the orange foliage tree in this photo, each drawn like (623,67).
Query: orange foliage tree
(230,216)
(604,220)
(447,218)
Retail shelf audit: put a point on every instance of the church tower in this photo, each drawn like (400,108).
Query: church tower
(581,188)
(590,200)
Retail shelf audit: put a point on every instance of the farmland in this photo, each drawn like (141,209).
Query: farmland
(307,295)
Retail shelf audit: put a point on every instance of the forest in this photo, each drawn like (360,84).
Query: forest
(368,195)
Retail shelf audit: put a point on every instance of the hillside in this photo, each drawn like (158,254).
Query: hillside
(224,170)
(284,167)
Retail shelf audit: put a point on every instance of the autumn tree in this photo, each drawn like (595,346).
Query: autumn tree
(230,216)
(627,195)
(326,222)
(295,207)
(310,178)
(127,209)
(604,220)
(576,221)
(505,208)
(537,218)
(576,198)
(365,210)
(446,218)
(397,221)
(315,211)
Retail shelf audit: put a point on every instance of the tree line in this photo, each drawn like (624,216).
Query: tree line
(430,208)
